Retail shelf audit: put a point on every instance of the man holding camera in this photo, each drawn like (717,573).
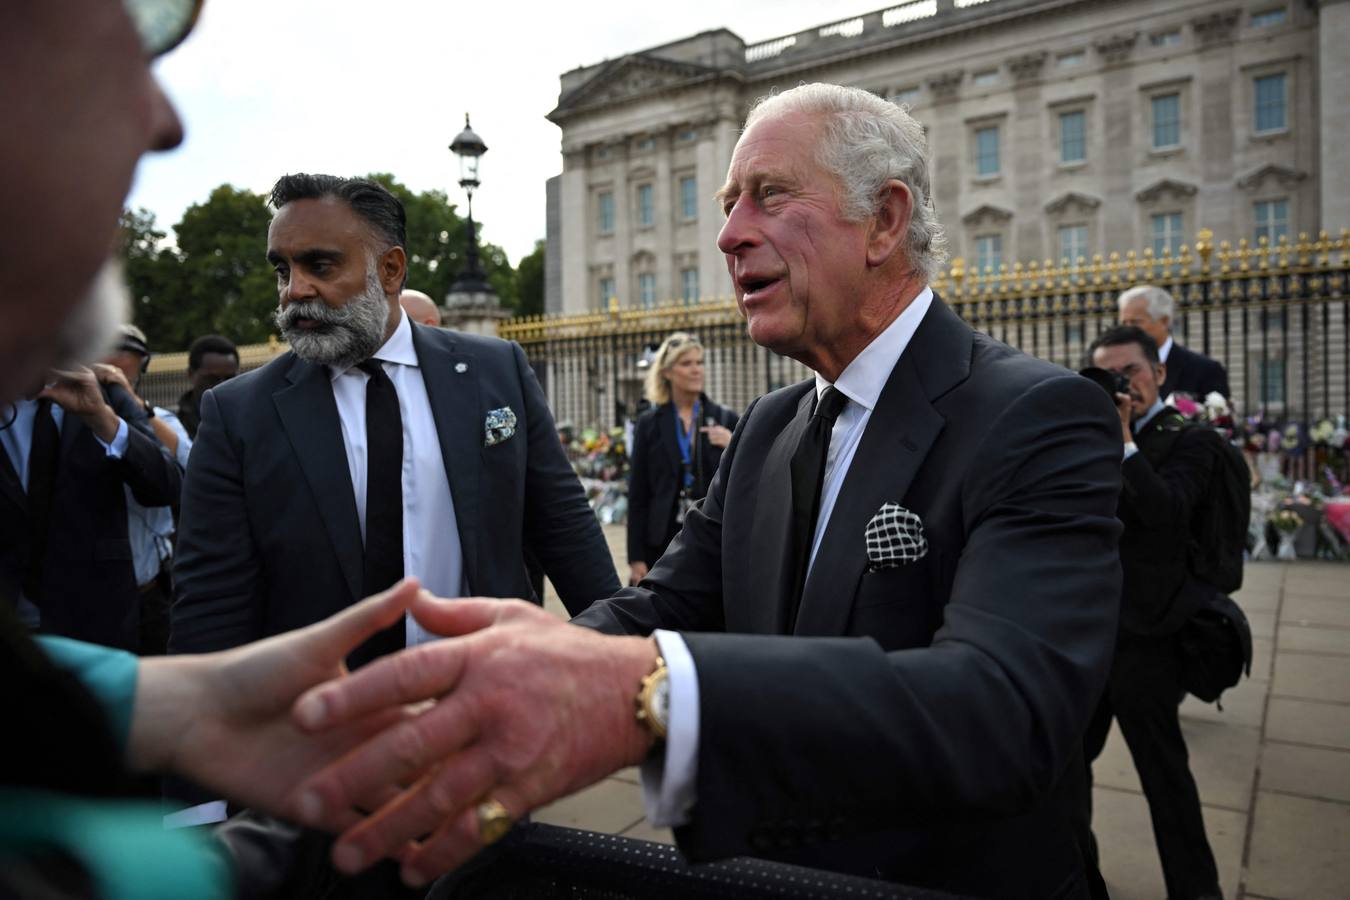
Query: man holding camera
(1165,469)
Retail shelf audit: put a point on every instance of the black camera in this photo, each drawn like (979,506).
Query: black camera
(1111,382)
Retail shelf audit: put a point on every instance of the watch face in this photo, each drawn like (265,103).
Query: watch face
(661,701)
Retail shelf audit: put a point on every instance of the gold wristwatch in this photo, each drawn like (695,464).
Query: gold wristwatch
(653,700)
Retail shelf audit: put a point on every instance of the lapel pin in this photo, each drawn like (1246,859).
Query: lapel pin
(461,368)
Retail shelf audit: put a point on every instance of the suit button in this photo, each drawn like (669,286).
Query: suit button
(790,835)
(761,840)
(814,831)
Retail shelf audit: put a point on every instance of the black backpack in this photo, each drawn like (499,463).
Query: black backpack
(1216,641)
(1220,522)
(1216,647)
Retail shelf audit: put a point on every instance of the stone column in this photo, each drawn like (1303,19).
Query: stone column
(1333,86)
(576,233)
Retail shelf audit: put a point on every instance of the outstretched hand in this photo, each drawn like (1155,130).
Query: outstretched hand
(224,719)
(527,709)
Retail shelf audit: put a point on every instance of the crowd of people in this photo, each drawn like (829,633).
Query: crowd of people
(878,624)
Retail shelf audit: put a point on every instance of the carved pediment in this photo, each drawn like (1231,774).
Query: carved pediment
(986,213)
(944,86)
(1117,48)
(1072,201)
(1028,66)
(630,76)
(1176,190)
(1216,27)
(1281,175)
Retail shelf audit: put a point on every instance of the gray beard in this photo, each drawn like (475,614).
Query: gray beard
(91,329)
(344,336)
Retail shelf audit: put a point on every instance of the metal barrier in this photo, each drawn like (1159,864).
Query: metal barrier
(537,862)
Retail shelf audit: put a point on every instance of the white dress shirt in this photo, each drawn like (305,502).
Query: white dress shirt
(1164,350)
(668,784)
(431,549)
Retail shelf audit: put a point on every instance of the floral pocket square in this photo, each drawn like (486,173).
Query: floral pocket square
(499,426)
(894,538)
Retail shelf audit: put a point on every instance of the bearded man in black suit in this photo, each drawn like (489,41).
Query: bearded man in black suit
(1151,309)
(880,637)
(306,492)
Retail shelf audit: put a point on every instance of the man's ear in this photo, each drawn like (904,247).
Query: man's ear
(890,223)
(393,268)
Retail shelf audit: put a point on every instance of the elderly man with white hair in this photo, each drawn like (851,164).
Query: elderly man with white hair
(879,638)
(1151,308)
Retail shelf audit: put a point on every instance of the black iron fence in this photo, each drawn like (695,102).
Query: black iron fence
(1275,315)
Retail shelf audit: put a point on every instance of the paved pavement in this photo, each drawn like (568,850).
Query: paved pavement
(1273,766)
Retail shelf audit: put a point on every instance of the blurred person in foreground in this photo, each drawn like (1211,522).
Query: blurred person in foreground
(677,444)
(149,528)
(212,360)
(82,720)
(878,639)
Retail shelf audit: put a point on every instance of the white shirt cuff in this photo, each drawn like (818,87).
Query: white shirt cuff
(118,448)
(669,780)
(1130,450)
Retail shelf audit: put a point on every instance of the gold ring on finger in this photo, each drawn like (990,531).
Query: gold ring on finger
(493,821)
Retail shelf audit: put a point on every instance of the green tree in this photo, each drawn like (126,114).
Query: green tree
(226,279)
(530,282)
(436,244)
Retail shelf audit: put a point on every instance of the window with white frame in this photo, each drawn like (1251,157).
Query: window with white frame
(1071,58)
(1272,380)
(988,252)
(688,197)
(984,78)
(1271,219)
(646,211)
(1166,231)
(647,289)
(1073,242)
(1073,136)
(606,291)
(605,211)
(1264,18)
(1166,109)
(986,151)
(1169,38)
(1268,93)
(689,285)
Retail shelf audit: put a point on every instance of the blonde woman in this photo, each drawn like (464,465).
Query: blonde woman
(676,447)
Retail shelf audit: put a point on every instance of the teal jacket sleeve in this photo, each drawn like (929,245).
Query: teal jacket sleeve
(110,675)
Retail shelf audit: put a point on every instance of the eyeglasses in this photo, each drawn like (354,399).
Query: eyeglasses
(162,24)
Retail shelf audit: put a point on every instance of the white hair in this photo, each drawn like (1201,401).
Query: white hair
(868,142)
(1160,302)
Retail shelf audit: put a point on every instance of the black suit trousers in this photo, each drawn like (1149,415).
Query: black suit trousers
(1141,695)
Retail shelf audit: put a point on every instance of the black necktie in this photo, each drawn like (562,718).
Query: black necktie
(808,474)
(43,456)
(384,503)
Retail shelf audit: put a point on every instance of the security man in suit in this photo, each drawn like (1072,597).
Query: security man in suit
(1151,308)
(879,638)
(374,449)
(1165,471)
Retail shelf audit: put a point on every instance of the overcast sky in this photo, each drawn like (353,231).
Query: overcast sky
(267,87)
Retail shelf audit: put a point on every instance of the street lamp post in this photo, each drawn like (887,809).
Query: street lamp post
(469,147)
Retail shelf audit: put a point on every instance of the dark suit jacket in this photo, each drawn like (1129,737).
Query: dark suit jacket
(269,538)
(656,469)
(89,581)
(1162,484)
(1194,373)
(919,724)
